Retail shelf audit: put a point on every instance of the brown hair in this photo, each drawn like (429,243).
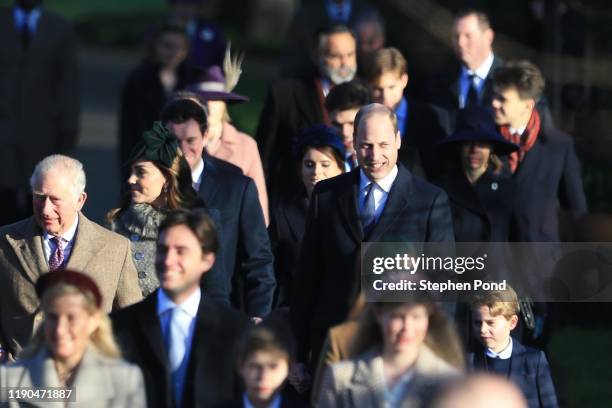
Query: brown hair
(101,339)
(199,223)
(178,190)
(266,337)
(386,60)
(500,302)
(441,338)
(326,150)
(372,109)
(483,20)
(521,75)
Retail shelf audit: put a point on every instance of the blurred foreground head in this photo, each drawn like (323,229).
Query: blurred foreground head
(481,391)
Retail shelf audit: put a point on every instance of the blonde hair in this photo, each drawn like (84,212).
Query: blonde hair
(500,302)
(101,339)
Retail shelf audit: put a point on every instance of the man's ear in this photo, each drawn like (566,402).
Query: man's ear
(513,321)
(208,260)
(404,78)
(81,200)
(490,35)
(398,140)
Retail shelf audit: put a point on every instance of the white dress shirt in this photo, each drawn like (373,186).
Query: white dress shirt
(502,355)
(197,174)
(380,191)
(68,241)
(275,403)
(480,75)
(189,306)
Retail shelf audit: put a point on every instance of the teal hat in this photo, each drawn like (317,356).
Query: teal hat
(157,144)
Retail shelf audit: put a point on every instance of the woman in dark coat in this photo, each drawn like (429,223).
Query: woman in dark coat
(320,154)
(481,196)
(149,86)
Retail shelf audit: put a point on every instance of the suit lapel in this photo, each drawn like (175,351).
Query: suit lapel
(207,322)
(532,159)
(87,243)
(347,201)
(295,218)
(517,363)
(396,205)
(368,380)
(209,184)
(92,381)
(149,323)
(28,246)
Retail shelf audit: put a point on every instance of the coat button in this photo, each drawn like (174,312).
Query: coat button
(494,186)
(139,256)
(134,237)
(142,274)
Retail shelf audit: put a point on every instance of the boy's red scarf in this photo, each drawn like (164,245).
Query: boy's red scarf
(524,141)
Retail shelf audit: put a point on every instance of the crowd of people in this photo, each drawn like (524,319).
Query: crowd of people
(229,273)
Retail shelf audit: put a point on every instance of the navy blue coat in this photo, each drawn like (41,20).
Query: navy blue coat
(244,238)
(327,280)
(548,177)
(529,370)
(211,373)
(482,212)
(286,230)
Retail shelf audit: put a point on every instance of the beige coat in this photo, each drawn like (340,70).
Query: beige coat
(98,252)
(99,382)
(241,150)
(360,382)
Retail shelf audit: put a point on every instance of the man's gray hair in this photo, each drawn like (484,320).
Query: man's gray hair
(374,109)
(71,169)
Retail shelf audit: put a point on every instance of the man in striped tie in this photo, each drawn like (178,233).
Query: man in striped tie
(58,236)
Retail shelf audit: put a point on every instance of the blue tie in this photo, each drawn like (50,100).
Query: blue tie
(368,212)
(177,348)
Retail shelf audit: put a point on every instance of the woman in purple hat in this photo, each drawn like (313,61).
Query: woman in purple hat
(224,141)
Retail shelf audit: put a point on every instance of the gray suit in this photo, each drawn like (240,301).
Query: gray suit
(360,382)
(98,252)
(99,382)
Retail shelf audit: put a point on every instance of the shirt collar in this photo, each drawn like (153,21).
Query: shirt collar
(67,236)
(334,9)
(198,172)
(190,305)
(385,184)
(518,131)
(502,355)
(402,109)
(19,15)
(275,403)
(482,71)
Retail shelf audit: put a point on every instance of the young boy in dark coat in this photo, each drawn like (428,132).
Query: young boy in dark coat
(495,314)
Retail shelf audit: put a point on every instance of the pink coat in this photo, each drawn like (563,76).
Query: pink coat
(241,150)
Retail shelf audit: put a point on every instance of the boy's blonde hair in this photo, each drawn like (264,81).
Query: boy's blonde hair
(500,302)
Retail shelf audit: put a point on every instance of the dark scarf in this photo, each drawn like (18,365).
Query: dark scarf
(524,141)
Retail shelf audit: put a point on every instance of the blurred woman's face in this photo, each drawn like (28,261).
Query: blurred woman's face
(146,183)
(216,111)
(317,166)
(404,328)
(475,155)
(68,326)
(171,49)
(263,373)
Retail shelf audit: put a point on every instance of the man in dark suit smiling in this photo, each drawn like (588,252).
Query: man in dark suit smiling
(380,201)
(177,335)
